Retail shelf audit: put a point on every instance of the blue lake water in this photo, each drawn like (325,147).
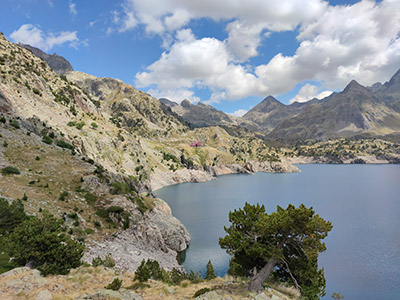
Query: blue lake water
(362,260)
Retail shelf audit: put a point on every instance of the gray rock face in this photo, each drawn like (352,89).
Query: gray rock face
(57,63)
(157,236)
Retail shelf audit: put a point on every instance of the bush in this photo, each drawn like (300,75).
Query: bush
(143,272)
(64,144)
(97,261)
(177,276)
(63,195)
(115,285)
(9,170)
(11,215)
(94,125)
(108,261)
(14,123)
(90,198)
(47,140)
(121,188)
(201,292)
(42,243)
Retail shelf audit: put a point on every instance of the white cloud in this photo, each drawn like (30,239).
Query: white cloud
(337,44)
(177,95)
(309,92)
(29,34)
(72,9)
(239,113)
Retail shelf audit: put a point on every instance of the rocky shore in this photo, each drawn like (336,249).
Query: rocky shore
(162,179)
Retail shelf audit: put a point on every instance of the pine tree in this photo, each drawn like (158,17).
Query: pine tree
(285,244)
(210,274)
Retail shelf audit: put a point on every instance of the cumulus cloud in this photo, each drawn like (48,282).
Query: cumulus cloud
(309,92)
(29,34)
(337,44)
(239,113)
(72,9)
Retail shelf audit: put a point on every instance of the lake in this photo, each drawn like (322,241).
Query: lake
(362,260)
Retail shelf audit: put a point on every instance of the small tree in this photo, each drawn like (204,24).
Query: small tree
(42,243)
(115,285)
(210,274)
(285,243)
(143,272)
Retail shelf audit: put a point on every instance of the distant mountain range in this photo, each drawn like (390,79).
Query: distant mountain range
(357,111)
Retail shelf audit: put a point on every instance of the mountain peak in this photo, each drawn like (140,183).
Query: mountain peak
(267,105)
(354,86)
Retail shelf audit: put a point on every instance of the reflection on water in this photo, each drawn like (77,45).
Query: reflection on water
(362,201)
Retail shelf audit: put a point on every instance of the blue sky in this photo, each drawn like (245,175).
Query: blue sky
(228,53)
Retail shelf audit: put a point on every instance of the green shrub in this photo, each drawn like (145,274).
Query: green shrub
(177,276)
(201,292)
(11,215)
(24,197)
(80,125)
(47,140)
(71,123)
(64,144)
(2,119)
(141,205)
(90,198)
(14,123)
(9,170)
(120,187)
(115,285)
(41,241)
(36,91)
(63,195)
(94,125)
(143,272)
(97,261)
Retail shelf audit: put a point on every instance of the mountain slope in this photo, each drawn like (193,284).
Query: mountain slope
(270,112)
(355,111)
(203,115)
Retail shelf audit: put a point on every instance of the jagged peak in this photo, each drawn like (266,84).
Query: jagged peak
(354,86)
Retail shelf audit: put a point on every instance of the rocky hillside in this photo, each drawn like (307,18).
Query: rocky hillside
(203,115)
(356,111)
(57,63)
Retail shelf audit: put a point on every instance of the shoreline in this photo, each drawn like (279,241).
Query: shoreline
(159,180)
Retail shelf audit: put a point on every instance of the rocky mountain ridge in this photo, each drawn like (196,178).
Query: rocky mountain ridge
(57,63)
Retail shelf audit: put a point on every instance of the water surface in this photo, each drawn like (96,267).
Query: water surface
(362,201)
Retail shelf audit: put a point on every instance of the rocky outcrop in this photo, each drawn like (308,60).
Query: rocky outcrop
(162,179)
(157,236)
